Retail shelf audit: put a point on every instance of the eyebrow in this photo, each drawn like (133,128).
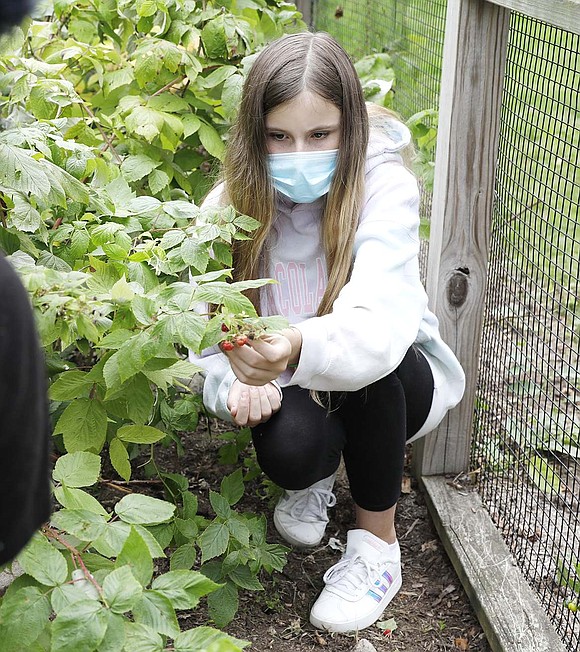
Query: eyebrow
(318,128)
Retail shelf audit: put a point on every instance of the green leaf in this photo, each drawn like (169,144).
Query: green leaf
(142,638)
(191,124)
(162,533)
(144,121)
(120,458)
(73,498)
(232,487)
(155,550)
(43,562)
(137,166)
(64,595)
(172,374)
(84,525)
(158,180)
(80,469)
(244,578)
(70,385)
(80,627)
(140,434)
(220,505)
(135,554)
(183,588)
(144,510)
(223,604)
(122,292)
(207,638)
(24,216)
(115,636)
(213,541)
(9,242)
(273,557)
(213,37)
(23,616)
(195,253)
(111,542)
(231,95)
(211,140)
(22,173)
(184,557)
(131,358)
(185,328)
(155,611)
(132,400)
(121,590)
(83,425)
(239,530)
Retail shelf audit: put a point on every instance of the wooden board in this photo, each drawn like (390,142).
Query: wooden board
(509,611)
(471,89)
(560,13)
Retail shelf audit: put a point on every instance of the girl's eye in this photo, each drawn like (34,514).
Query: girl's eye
(319,135)
(276,136)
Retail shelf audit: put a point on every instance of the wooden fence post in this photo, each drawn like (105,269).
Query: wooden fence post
(471,88)
(305,8)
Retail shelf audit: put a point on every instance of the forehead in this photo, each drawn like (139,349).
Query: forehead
(306,110)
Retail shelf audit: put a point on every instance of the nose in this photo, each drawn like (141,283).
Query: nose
(300,145)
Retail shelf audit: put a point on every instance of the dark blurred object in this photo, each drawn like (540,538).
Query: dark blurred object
(13,12)
(24,421)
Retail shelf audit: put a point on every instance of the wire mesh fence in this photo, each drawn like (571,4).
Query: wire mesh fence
(412,33)
(527,443)
(526,447)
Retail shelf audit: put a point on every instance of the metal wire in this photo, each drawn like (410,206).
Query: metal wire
(412,33)
(526,445)
(527,442)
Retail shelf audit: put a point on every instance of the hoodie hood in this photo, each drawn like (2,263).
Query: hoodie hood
(388,137)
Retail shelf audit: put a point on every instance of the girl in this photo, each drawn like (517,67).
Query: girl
(362,369)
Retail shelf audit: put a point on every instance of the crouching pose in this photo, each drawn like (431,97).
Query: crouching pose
(362,369)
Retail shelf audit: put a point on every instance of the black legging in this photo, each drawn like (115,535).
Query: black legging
(303,442)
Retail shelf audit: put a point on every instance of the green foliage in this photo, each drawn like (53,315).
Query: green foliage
(423,126)
(114,115)
(377,78)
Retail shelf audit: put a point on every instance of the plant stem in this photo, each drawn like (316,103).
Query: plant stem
(108,141)
(168,86)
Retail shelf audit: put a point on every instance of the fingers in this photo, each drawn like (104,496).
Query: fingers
(250,405)
(261,361)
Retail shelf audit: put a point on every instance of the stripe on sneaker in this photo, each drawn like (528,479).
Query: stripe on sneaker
(374,595)
(380,586)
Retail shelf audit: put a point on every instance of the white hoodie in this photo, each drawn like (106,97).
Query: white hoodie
(378,314)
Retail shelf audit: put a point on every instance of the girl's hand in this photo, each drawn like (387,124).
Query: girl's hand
(262,360)
(250,405)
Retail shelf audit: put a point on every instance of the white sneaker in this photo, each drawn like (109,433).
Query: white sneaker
(300,516)
(360,586)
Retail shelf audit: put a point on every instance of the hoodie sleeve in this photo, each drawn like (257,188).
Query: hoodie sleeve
(377,315)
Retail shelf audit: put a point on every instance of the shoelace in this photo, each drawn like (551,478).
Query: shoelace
(311,505)
(348,574)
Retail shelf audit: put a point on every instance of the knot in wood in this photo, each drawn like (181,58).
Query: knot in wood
(457,288)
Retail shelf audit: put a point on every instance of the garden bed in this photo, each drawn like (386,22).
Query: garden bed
(432,612)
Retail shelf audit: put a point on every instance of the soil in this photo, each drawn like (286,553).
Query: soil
(431,612)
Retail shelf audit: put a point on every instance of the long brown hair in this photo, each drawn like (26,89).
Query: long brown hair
(286,67)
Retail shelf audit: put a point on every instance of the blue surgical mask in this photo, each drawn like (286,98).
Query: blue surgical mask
(303,176)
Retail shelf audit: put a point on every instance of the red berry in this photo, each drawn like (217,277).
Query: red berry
(225,329)
(241,340)
(227,345)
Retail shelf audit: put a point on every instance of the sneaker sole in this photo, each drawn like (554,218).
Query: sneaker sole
(297,543)
(360,623)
